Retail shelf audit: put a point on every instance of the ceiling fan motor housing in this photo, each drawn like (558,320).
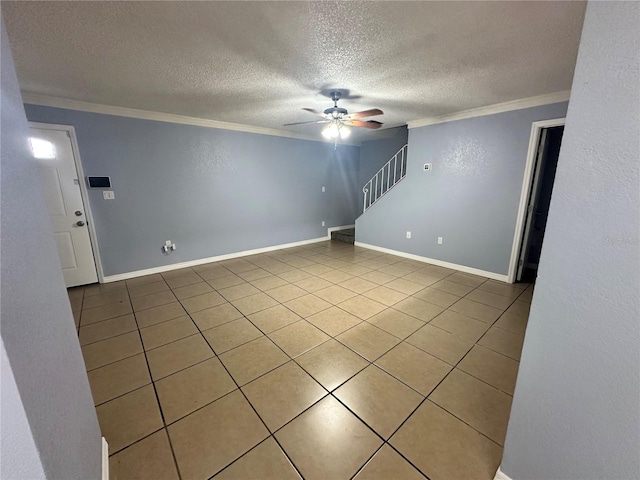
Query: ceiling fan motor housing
(335,112)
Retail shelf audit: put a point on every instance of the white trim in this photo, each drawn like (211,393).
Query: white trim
(333,229)
(536,128)
(93,236)
(433,261)
(49,101)
(105,459)
(492,109)
(500,475)
(218,258)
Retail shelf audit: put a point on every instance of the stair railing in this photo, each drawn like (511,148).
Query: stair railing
(387,177)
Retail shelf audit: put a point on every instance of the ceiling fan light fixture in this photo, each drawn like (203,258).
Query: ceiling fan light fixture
(331,131)
(344,132)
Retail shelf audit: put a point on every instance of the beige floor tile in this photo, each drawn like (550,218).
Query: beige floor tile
(299,262)
(280,268)
(76,317)
(385,295)
(422,278)
(419,370)
(167,332)
(146,318)
(505,289)
(396,323)
(297,338)
(211,271)
(129,418)
(178,272)
(474,402)
(238,291)
(177,355)
(192,388)
(396,270)
(491,367)
(515,318)
(437,297)
(452,287)
(460,325)
(491,299)
(328,431)
(503,342)
(273,318)
(202,302)
(148,289)
(106,329)
(355,270)
(419,309)
(331,364)
(118,378)
(380,400)
(336,276)
(267,461)
(387,464)
(358,285)
(192,290)
(134,282)
(101,299)
(269,283)
(253,359)
(226,281)
(153,300)
(286,292)
(317,269)
(255,274)
(111,350)
(215,316)
(254,303)
(527,295)
(335,294)
(231,335)
(151,457)
(98,288)
(183,280)
(476,310)
(466,279)
(404,286)
(312,284)
(238,265)
(214,436)
(439,343)
(378,277)
(333,321)
(368,341)
(444,447)
(294,275)
(105,312)
(362,307)
(282,394)
(307,305)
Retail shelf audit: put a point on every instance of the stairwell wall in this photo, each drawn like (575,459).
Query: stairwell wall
(470,197)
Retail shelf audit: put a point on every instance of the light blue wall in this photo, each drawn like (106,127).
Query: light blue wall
(60,438)
(374,154)
(470,197)
(210,191)
(576,408)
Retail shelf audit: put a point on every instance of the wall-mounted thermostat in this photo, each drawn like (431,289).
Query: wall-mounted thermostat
(99,182)
(427,167)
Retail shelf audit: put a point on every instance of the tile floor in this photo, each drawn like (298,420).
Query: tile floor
(326,361)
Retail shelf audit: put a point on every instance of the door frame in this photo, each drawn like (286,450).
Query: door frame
(84,194)
(534,140)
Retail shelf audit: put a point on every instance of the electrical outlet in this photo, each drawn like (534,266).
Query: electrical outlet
(439,240)
(323,190)
(108,195)
(408,234)
(427,167)
(323,223)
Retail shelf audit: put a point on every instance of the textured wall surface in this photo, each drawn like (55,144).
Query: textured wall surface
(470,197)
(210,191)
(38,331)
(575,412)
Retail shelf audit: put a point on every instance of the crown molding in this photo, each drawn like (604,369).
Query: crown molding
(66,103)
(492,109)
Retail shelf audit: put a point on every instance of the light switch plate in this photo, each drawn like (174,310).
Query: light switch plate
(108,195)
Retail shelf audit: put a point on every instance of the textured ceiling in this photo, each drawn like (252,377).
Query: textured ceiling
(259,63)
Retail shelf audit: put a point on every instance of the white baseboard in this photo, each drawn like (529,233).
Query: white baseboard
(193,263)
(342,227)
(439,263)
(105,459)
(500,475)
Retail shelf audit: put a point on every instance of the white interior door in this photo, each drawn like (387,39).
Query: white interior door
(54,152)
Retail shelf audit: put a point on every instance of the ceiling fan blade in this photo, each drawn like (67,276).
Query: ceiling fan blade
(360,123)
(302,123)
(315,112)
(365,113)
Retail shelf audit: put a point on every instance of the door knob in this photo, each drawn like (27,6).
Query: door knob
(80,223)
(78,213)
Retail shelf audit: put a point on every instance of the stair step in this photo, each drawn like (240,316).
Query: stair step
(345,236)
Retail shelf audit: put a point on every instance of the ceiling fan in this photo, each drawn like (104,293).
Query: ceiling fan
(338,120)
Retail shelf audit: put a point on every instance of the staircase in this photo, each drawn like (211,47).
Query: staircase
(345,236)
(387,177)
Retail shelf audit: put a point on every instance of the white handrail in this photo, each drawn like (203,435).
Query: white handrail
(373,194)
